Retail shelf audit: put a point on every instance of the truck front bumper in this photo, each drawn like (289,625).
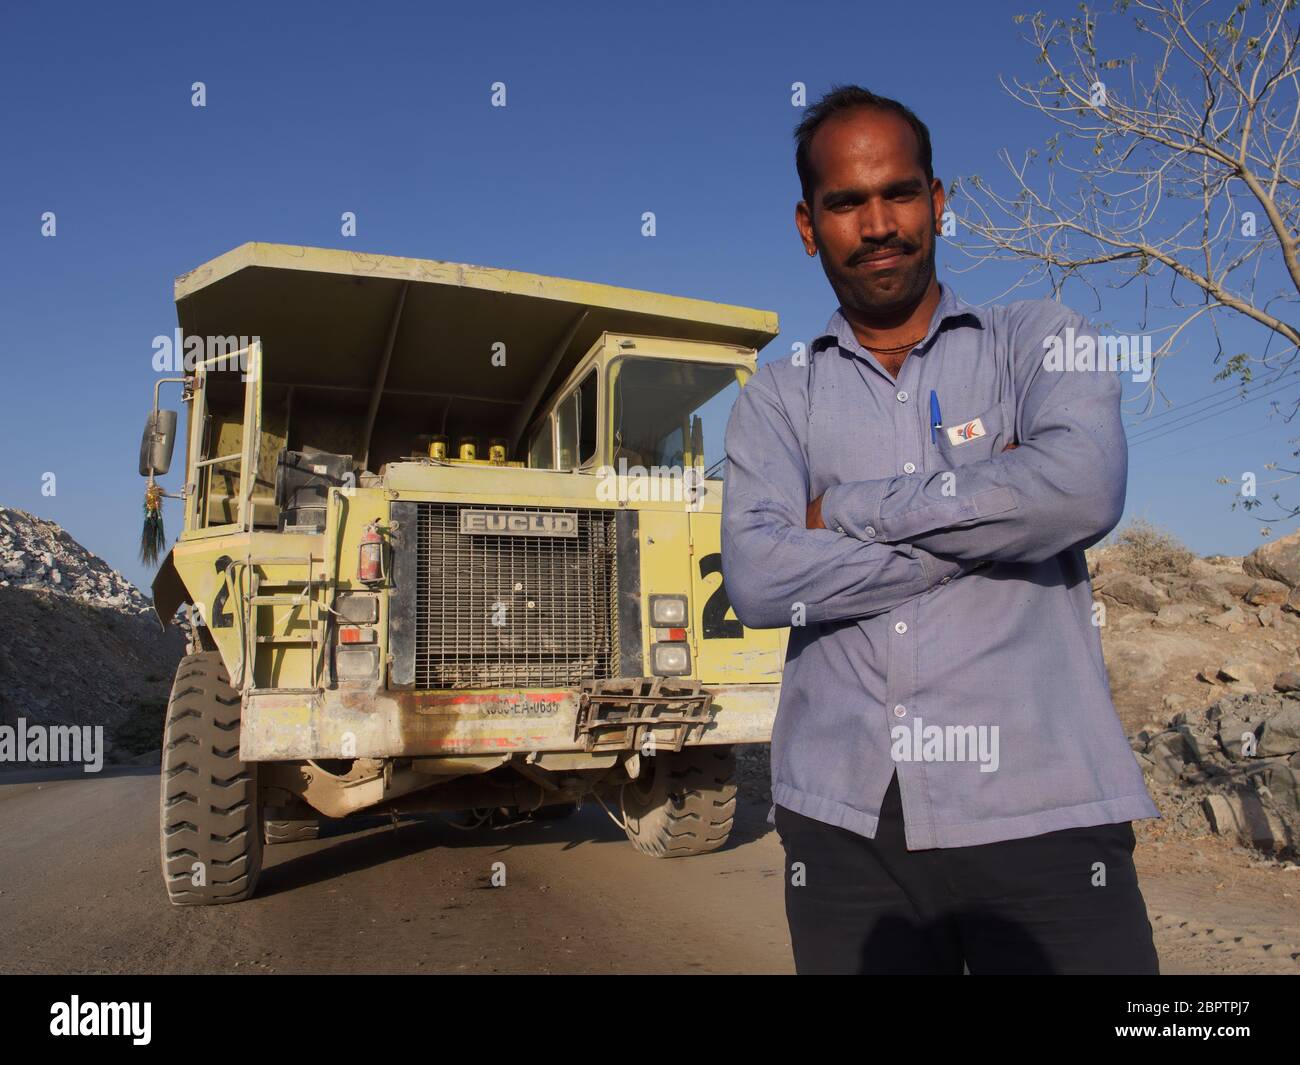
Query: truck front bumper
(396,724)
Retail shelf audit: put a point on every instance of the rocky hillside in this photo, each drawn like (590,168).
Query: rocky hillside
(1204,663)
(78,642)
(1180,631)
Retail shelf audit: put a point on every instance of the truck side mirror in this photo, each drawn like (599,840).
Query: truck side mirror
(157,443)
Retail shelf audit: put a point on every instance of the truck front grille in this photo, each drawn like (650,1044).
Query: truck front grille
(511,610)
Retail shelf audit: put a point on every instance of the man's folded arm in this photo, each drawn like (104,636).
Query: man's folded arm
(776,569)
(1062,485)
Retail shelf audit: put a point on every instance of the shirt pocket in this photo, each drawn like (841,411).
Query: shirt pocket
(848,439)
(975,438)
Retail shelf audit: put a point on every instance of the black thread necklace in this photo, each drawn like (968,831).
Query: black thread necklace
(894,351)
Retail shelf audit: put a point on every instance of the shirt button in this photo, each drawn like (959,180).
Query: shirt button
(870,530)
(902,397)
(945,580)
(900,710)
(909,467)
(839,528)
(901,628)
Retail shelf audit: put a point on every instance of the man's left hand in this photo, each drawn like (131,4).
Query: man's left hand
(815,514)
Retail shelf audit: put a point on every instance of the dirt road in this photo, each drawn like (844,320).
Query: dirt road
(80,892)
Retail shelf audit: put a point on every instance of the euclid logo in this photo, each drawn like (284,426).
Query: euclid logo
(519,523)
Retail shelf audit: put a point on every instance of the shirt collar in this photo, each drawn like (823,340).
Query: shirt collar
(951,308)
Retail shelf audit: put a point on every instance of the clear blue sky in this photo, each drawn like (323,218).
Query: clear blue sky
(383,109)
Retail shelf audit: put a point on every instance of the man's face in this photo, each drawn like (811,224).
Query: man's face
(875,215)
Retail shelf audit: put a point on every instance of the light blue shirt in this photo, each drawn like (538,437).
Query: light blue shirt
(942,624)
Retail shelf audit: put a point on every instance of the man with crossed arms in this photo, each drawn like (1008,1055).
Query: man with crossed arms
(950,780)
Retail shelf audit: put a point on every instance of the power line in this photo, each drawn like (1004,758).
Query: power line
(1218,393)
(1175,426)
(1215,440)
(1225,401)
(1212,399)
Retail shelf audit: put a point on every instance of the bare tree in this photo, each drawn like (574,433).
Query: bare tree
(1176,166)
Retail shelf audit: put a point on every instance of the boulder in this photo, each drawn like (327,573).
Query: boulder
(1246,818)
(1233,670)
(1232,730)
(1132,590)
(1233,620)
(1278,560)
(1193,749)
(1288,681)
(1235,584)
(1283,783)
(1168,753)
(1173,614)
(1280,734)
(1267,593)
(1211,593)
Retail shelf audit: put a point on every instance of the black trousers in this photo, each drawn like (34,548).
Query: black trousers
(1033,905)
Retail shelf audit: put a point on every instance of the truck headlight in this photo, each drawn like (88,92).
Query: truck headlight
(667,610)
(670,659)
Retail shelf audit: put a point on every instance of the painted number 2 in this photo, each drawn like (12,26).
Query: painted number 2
(717,626)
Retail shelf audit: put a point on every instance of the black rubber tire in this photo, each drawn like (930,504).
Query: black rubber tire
(290,831)
(686,806)
(210,810)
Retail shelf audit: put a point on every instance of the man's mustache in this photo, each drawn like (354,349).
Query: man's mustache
(867,251)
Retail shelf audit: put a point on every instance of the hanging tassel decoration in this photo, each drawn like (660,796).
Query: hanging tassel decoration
(151,536)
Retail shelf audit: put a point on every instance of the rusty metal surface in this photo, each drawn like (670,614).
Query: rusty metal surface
(621,714)
(459,784)
(386,724)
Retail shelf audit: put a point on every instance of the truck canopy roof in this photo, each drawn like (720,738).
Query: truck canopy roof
(324,317)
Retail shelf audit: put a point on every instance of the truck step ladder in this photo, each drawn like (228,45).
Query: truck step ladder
(311,592)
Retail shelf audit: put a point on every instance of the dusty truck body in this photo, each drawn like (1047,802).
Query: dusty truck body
(451,542)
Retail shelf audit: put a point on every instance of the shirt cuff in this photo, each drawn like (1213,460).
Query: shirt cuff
(939,570)
(854,509)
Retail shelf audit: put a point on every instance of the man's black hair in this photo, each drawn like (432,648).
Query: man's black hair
(846,98)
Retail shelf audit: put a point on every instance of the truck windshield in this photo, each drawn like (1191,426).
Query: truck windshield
(665,410)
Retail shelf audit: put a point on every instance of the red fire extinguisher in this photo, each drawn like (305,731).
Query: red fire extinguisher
(370,561)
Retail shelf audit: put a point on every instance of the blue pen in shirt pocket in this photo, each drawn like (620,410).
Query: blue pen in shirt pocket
(936,418)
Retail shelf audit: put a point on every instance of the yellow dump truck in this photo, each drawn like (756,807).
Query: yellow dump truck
(451,542)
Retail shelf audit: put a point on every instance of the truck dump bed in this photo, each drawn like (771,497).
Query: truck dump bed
(324,318)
